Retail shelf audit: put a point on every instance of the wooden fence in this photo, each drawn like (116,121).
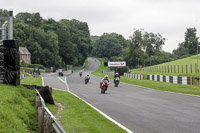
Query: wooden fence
(183,68)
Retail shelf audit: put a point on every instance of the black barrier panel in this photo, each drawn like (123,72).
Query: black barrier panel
(105,63)
(11,62)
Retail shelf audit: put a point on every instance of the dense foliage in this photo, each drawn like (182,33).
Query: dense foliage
(189,46)
(108,45)
(142,48)
(58,43)
(53,43)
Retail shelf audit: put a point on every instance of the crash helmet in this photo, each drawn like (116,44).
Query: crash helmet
(106,77)
(88,75)
(117,73)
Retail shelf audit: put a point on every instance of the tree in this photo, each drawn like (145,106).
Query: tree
(134,53)
(109,45)
(189,46)
(152,43)
(141,47)
(80,36)
(181,51)
(36,20)
(191,41)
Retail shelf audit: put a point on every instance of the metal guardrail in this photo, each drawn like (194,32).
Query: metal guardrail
(107,72)
(46,120)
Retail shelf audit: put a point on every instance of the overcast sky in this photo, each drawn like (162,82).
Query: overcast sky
(170,18)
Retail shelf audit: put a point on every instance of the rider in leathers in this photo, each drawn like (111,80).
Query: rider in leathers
(105,78)
(116,75)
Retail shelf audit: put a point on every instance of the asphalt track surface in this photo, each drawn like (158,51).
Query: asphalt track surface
(140,109)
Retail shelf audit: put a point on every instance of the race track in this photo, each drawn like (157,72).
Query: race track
(141,110)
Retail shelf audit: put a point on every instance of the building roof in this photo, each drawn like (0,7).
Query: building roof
(23,50)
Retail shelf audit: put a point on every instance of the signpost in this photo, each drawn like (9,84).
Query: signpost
(120,66)
(117,64)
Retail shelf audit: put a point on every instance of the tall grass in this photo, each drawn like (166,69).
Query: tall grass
(17,110)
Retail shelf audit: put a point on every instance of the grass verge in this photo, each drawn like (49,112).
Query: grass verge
(30,80)
(79,117)
(78,68)
(178,88)
(17,110)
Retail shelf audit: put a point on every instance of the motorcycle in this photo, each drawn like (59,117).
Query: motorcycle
(104,86)
(80,74)
(86,80)
(116,81)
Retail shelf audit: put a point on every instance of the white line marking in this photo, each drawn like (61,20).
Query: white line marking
(109,118)
(65,82)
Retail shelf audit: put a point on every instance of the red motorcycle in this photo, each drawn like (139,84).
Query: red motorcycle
(104,86)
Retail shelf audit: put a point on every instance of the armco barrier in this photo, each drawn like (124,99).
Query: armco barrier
(46,121)
(107,72)
(135,76)
(172,79)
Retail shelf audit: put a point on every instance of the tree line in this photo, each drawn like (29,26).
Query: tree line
(142,48)
(50,42)
(68,42)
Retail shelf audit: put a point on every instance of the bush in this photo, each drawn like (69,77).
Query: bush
(34,65)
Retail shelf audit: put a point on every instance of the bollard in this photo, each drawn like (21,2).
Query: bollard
(41,119)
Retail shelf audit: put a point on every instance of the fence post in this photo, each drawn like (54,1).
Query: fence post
(41,119)
(174,69)
(195,68)
(168,68)
(171,68)
(178,68)
(186,68)
(182,68)
(47,122)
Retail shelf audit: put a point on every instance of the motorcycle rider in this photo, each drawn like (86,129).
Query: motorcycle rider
(80,73)
(105,78)
(116,75)
(87,77)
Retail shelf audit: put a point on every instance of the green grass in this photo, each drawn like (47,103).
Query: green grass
(79,117)
(186,89)
(17,110)
(30,80)
(78,68)
(86,64)
(98,72)
(52,108)
(162,69)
